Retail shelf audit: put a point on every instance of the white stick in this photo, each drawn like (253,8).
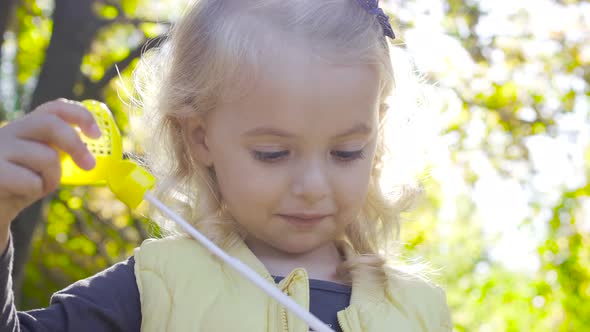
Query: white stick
(242,268)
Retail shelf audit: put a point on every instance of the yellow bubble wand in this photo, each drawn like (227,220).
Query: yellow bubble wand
(131,184)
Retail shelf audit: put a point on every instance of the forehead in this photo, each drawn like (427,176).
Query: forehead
(302,91)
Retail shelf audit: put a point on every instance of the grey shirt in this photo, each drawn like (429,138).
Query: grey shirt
(109,301)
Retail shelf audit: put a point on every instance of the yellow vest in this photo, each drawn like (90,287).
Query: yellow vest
(183,287)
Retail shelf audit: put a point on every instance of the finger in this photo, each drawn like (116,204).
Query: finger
(40,159)
(20,181)
(74,113)
(52,130)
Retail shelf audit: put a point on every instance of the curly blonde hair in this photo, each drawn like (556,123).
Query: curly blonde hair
(204,59)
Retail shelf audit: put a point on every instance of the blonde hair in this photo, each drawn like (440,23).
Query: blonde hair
(221,42)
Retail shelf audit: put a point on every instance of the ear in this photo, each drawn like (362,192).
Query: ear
(195,137)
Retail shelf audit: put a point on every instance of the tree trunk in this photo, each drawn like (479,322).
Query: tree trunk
(74,29)
(6,12)
(7,9)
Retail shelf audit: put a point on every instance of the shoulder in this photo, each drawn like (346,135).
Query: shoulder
(159,247)
(170,251)
(165,268)
(171,259)
(421,296)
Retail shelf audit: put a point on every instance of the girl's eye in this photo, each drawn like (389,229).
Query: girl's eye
(270,156)
(348,155)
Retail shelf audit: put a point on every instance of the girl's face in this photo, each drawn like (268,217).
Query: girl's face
(293,157)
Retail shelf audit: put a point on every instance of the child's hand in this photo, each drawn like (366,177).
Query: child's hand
(29,161)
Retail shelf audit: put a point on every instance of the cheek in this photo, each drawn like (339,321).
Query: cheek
(248,188)
(355,185)
(352,190)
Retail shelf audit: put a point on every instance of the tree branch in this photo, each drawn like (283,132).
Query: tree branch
(123,18)
(81,225)
(133,21)
(93,89)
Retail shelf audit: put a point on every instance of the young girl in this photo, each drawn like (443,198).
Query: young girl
(268,137)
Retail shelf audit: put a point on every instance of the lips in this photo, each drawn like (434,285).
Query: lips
(304,219)
(305,216)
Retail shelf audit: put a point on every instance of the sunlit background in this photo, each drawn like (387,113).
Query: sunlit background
(502,148)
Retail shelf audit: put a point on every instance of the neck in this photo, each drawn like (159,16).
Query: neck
(320,263)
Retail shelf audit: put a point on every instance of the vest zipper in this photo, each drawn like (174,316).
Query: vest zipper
(284,319)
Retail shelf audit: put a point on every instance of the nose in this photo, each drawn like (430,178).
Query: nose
(311,182)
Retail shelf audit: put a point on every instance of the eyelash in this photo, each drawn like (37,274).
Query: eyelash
(347,156)
(341,156)
(270,157)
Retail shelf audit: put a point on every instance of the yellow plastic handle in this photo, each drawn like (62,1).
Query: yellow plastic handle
(127,180)
(107,150)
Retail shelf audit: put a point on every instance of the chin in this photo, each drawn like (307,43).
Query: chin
(298,246)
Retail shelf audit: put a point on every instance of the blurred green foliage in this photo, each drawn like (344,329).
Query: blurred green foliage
(521,82)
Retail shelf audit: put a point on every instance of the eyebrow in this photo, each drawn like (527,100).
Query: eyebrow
(358,129)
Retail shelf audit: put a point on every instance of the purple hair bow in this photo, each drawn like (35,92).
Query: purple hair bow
(372,7)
